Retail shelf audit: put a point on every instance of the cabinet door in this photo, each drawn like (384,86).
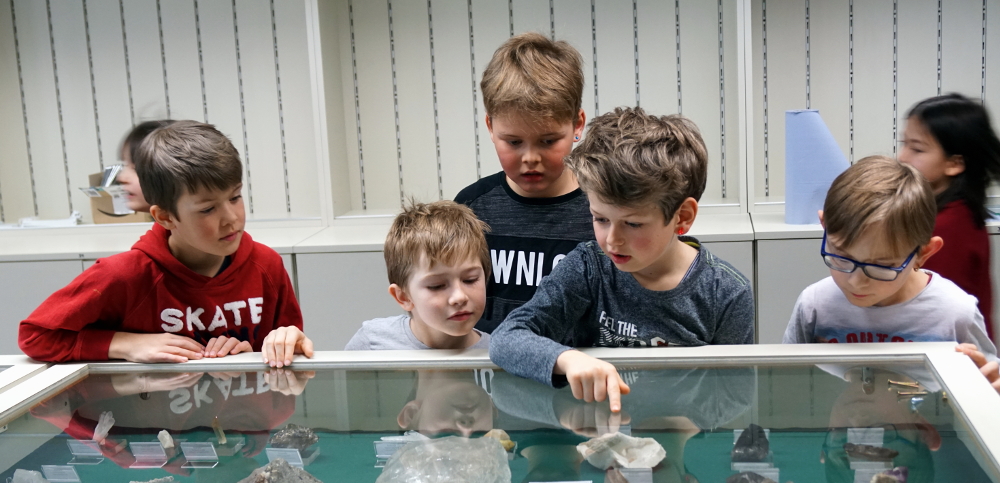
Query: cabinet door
(25,285)
(784,269)
(339,291)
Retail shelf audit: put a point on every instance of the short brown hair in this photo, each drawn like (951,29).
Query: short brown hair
(184,157)
(534,76)
(882,196)
(630,158)
(443,232)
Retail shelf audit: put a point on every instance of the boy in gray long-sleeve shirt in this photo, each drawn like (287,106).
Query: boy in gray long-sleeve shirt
(641,283)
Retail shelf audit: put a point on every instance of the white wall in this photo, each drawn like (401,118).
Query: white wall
(76,75)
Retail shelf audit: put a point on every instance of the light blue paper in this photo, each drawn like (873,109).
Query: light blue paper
(812,161)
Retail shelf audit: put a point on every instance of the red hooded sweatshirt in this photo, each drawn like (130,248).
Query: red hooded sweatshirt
(147,290)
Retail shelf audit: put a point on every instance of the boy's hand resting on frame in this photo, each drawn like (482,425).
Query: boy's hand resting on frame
(990,369)
(222,346)
(283,343)
(591,379)
(154,347)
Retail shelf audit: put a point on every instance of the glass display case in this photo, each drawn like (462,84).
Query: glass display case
(808,413)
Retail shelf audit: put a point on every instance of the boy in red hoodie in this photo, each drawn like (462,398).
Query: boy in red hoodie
(193,286)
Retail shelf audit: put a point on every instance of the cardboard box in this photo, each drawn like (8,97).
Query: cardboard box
(108,204)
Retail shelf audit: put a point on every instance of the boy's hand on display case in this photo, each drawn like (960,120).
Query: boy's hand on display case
(990,369)
(590,419)
(592,379)
(222,346)
(154,347)
(283,343)
(126,384)
(287,381)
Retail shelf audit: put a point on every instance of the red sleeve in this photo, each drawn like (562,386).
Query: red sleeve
(63,328)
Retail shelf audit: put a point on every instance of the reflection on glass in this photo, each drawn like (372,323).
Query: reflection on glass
(344,419)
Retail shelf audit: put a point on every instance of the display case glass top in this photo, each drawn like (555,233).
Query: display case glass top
(835,420)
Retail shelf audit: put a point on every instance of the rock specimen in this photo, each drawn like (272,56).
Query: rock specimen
(104,424)
(616,450)
(501,436)
(165,440)
(748,477)
(752,446)
(895,475)
(27,476)
(279,471)
(293,436)
(219,434)
(448,459)
(166,479)
(871,453)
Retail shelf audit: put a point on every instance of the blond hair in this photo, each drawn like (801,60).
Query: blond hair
(440,232)
(630,158)
(882,196)
(533,76)
(184,157)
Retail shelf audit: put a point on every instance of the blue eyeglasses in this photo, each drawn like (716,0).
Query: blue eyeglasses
(881,273)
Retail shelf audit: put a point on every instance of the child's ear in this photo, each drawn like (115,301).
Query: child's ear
(927,250)
(162,217)
(821,222)
(579,123)
(408,414)
(955,165)
(489,124)
(401,297)
(686,214)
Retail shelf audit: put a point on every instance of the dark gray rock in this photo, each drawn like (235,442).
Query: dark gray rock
(279,471)
(752,446)
(748,477)
(294,436)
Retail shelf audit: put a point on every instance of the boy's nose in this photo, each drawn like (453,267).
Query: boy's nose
(458,296)
(613,237)
(530,155)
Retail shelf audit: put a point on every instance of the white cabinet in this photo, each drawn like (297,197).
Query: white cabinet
(784,269)
(339,291)
(23,286)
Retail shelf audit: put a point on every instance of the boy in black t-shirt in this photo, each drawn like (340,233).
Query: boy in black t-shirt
(532,90)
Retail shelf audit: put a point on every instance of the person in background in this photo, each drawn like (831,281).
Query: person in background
(127,177)
(532,90)
(951,141)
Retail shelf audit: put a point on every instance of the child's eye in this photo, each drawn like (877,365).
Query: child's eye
(514,143)
(207,210)
(549,142)
(471,281)
(235,198)
(598,219)
(435,287)
(633,225)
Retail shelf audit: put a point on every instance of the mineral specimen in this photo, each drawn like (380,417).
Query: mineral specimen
(279,471)
(748,477)
(895,475)
(294,436)
(618,450)
(165,440)
(166,479)
(104,424)
(752,445)
(219,434)
(502,436)
(872,453)
(27,476)
(448,459)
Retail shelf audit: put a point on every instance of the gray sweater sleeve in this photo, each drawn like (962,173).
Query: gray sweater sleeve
(533,336)
(359,342)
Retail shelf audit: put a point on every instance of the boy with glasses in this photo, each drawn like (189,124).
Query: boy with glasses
(879,217)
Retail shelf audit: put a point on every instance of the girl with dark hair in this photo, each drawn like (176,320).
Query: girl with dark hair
(127,177)
(950,140)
